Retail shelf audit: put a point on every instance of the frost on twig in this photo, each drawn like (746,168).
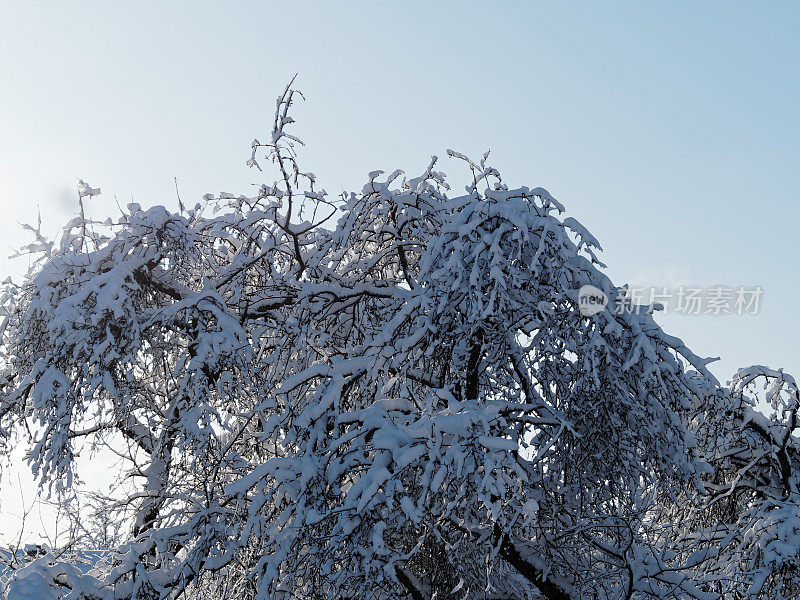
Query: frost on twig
(392,395)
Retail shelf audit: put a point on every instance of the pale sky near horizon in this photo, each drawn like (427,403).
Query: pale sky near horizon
(670,130)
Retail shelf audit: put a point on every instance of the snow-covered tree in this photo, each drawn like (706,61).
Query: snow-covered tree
(392,395)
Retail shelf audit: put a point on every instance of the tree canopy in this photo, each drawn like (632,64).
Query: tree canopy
(394,394)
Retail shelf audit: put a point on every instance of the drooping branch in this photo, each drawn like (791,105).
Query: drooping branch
(473,362)
(531,572)
(412,590)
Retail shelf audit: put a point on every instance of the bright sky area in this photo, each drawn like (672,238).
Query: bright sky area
(670,130)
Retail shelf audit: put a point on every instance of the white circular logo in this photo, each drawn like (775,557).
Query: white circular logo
(591,300)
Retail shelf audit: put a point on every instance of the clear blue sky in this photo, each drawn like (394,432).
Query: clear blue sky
(670,130)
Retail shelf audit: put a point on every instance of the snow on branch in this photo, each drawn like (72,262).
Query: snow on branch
(393,395)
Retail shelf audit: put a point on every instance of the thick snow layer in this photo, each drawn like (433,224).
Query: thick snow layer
(32,586)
